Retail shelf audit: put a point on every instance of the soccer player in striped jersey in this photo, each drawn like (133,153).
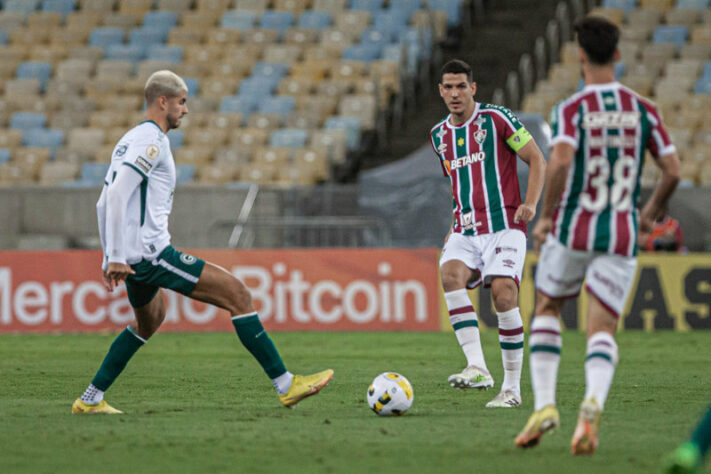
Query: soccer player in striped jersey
(133,212)
(477,146)
(588,225)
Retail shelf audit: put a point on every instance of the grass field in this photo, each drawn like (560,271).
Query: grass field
(199,403)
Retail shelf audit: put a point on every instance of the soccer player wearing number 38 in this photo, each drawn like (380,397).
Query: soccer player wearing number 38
(133,211)
(588,225)
(477,146)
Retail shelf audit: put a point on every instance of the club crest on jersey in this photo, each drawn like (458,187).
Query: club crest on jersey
(152,152)
(480,136)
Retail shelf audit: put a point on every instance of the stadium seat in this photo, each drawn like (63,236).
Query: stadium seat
(282,53)
(703,86)
(282,105)
(162,20)
(276,20)
(184,174)
(238,20)
(265,120)
(176,138)
(105,36)
(362,52)
(193,86)
(27,120)
(331,140)
(626,5)
(4,155)
(146,36)
(258,87)
(372,6)
(684,17)
(331,6)
(58,172)
(37,70)
(10,138)
(217,174)
(21,6)
(692,4)
(159,52)
(243,105)
(58,6)
(453,9)
(4,37)
(125,52)
(249,138)
(175,6)
(273,71)
(93,174)
(289,138)
(43,138)
(316,20)
(351,125)
(675,34)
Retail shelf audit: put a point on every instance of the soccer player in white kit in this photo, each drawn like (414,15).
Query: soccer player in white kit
(133,211)
(589,224)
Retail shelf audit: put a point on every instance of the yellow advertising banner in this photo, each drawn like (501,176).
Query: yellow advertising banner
(670,292)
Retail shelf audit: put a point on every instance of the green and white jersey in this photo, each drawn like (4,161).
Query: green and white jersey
(479,158)
(137,197)
(610,127)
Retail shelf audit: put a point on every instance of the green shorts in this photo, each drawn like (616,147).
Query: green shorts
(171,269)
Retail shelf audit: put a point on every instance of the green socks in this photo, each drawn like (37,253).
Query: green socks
(252,334)
(702,434)
(122,349)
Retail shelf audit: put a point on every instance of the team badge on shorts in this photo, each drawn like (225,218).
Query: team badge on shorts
(187,259)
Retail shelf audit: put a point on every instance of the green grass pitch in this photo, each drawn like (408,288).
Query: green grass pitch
(200,403)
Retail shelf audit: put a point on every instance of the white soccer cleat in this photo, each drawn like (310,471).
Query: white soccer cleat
(471,377)
(505,399)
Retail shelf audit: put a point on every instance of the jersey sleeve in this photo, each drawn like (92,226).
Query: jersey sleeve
(563,128)
(659,143)
(514,133)
(142,155)
(436,143)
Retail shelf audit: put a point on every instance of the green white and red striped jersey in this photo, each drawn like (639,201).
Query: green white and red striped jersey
(610,127)
(479,157)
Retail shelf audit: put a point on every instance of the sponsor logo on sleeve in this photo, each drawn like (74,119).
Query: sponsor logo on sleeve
(144,164)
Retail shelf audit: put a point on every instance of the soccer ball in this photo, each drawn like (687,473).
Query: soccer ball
(390,394)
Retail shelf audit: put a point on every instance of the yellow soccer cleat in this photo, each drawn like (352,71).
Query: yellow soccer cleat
(585,438)
(102,408)
(303,386)
(542,421)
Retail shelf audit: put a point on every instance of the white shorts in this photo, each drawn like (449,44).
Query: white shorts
(561,271)
(499,254)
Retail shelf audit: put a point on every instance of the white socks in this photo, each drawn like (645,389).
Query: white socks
(511,341)
(466,326)
(545,343)
(600,363)
(283,382)
(92,395)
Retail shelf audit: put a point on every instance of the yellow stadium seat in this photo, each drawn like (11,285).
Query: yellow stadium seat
(296,6)
(316,160)
(217,174)
(193,155)
(265,121)
(698,51)
(281,53)
(683,16)
(176,6)
(332,141)
(701,34)
(233,156)
(44,19)
(58,172)
(226,121)
(649,17)
(205,19)
(11,174)
(10,138)
(186,35)
(661,5)
(99,6)
(212,138)
(250,138)
(219,87)
(300,36)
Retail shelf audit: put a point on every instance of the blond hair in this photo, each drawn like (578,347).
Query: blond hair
(163,83)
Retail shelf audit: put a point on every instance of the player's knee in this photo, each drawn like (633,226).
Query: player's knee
(452,280)
(240,298)
(505,294)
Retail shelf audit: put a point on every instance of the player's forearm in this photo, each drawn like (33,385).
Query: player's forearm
(556,173)
(101,219)
(536,178)
(115,223)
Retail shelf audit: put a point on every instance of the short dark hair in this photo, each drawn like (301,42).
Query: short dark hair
(457,66)
(598,37)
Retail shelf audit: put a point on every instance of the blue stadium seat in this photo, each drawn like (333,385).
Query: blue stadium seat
(392,21)
(238,20)
(193,86)
(676,34)
(64,7)
(43,137)
(625,5)
(393,52)
(352,127)
(37,70)
(264,69)
(289,138)
(105,35)
(4,36)
(160,52)
(184,173)
(703,86)
(453,9)
(620,70)
(244,105)
(160,19)
(372,6)
(258,87)
(21,6)
(5,155)
(419,39)
(93,174)
(277,20)
(125,52)
(408,7)
(176,138)
(362,52)
(692,4)
(148,36)
(316,20)
(27,120)
(375,37)
(282,105)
